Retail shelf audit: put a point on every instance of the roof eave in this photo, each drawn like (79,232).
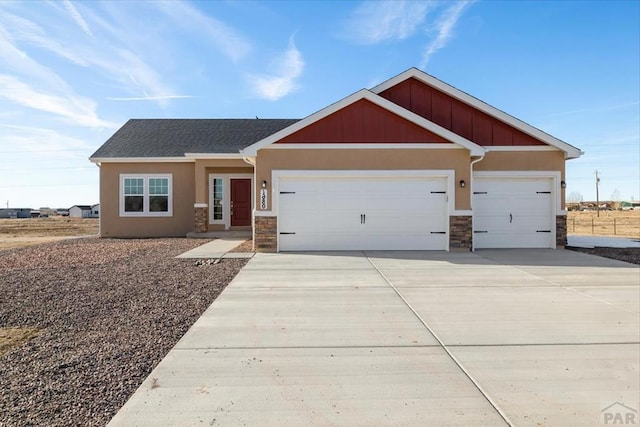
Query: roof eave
(141,160)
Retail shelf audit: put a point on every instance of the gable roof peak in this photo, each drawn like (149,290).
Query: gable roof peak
(570,151)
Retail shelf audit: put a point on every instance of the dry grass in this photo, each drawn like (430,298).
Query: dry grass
(610,223)
(13,337)
(17,233)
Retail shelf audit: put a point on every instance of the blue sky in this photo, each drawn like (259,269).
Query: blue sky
(71,73)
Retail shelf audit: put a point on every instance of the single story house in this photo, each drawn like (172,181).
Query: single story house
(95,211)
(80,211)
(15,212)
(410,164)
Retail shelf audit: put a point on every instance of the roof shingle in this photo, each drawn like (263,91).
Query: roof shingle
(175,137)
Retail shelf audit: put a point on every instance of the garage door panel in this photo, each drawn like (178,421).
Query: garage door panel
(326,213)
(513,213)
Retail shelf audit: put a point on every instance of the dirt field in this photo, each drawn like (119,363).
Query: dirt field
(17,233)
(610,223)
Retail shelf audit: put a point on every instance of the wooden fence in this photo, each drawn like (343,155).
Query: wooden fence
(623,227)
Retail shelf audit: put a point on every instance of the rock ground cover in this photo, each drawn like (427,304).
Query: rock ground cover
(631,255)
(106,312)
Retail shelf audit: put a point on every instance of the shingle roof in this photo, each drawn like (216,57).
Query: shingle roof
(175,137)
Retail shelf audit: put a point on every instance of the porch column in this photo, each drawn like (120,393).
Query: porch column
(200,217)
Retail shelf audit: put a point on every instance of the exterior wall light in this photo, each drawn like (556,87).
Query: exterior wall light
(563,184)
(264,184)
(462,183)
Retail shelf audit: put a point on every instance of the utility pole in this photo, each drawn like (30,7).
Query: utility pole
(597,195)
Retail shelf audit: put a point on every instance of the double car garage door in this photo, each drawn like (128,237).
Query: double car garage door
(409,213)
(358,213)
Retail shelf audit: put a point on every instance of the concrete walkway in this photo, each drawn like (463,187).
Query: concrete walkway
(218,248)
(524,337)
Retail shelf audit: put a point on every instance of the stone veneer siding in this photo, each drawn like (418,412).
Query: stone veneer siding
(266,233)
(200,220)
(460,233)
(561,231)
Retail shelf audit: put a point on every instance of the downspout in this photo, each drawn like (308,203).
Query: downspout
(473,224)
(98,164)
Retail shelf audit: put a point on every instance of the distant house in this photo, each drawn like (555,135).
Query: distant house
(15,212)
(95,211)
(80,211)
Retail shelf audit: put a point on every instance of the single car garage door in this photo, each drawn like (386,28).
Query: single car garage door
(362,213)
(513,213)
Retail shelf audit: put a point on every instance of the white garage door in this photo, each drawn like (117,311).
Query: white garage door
(357,213)
(513,213)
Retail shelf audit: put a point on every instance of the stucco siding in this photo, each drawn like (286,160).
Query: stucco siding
(385,159)
(525,161)
(179,224)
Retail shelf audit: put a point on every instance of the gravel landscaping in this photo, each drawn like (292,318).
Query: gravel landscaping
(631,255)
(106,311)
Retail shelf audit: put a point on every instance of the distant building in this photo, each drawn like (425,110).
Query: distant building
(95,211)
(80,211)
(15,212)
(62,211)
(46,212)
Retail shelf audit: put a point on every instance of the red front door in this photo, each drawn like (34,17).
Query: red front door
(240,202)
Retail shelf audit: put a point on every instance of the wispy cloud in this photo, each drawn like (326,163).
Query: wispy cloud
(150,98)
(288,68)
(74,109)
(225,38)
(75,15)
(120,61)
(44,142)
(377,21)
(444,27)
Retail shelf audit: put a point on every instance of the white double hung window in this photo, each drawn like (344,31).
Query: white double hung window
(146,195)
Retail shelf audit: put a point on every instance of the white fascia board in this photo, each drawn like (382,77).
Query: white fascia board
(521,148)
(237,155)
(365,146)
(141,160)
(475,149)
(571,152)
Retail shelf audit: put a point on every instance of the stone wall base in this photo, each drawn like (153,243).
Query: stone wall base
(200,220)
(460,233)
(561,231)
(265,234)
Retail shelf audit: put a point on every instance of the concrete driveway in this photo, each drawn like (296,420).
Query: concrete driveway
(521,337)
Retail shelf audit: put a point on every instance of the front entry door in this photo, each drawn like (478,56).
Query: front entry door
(240,202)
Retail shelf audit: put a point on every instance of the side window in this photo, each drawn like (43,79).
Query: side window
(217,198)
(146,195)
(133,195)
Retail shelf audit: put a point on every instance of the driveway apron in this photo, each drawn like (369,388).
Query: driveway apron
(405,338)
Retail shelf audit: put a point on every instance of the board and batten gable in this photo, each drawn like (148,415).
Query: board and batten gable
(363,122)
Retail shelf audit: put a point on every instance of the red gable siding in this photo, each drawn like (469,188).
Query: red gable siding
(363,122)
(455,115)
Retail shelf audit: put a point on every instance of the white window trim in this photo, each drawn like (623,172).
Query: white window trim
(226,196)
(145,197)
